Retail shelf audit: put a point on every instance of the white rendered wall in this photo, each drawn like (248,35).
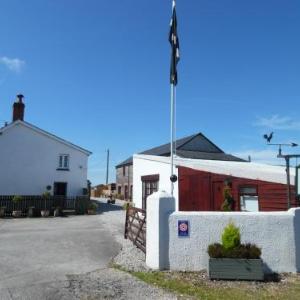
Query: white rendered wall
(28,163)
(144,166)
(276,233)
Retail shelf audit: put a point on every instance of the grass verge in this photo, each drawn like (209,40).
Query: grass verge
(198,286)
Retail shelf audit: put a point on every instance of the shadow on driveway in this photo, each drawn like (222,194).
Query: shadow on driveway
(105,207)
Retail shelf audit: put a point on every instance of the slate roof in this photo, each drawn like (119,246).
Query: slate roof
(196,146)
(46,133)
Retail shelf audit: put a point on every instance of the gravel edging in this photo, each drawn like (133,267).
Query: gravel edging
(130,258)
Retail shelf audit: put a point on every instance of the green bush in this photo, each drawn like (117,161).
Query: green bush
(17,198)
(247,251)
(231,237)
(126,205)
(215,250)
(231,246)
(93,206)
(46,194)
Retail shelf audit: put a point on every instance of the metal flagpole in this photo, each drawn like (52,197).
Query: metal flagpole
(172,135)
(172,125)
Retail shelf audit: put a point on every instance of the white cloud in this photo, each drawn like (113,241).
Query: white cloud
(13,64)
(278,122)
(261,156)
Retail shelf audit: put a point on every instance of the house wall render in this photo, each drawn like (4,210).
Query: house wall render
(29,162)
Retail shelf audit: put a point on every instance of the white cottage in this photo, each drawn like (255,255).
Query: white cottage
(33,160)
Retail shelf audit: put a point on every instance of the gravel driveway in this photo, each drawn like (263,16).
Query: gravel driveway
(67,258)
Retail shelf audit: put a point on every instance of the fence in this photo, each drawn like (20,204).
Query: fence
(78,204)
(135,227)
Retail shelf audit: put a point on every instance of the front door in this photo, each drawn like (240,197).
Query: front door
(60,189)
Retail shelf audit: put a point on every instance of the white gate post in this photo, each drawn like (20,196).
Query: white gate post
(159,206)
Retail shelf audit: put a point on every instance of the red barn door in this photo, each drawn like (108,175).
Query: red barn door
(218,194)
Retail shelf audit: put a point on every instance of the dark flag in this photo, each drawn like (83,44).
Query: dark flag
(174,41)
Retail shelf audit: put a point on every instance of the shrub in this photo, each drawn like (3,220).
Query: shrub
(127,205)
(17,198)
(247,251)
(215,250)
(93,206)
(228,199)
(231,237)
(231,246)
(46,194)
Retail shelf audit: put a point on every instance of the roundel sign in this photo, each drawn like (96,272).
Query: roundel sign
(183,228)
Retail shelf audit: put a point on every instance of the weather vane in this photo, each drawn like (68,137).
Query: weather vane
(287,157)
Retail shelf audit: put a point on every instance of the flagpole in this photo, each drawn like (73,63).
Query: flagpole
(172,135)
(172,124)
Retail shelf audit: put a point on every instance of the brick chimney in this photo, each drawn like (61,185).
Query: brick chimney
(18,108)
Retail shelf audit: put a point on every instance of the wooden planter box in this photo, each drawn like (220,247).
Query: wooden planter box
(236,269)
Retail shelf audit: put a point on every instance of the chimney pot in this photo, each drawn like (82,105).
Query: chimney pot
(18,108)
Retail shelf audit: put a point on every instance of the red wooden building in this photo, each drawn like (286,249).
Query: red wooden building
(201,183)
(203,191)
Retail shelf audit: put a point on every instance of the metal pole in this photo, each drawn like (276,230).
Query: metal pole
(107,166)
(172,135)
(287,159)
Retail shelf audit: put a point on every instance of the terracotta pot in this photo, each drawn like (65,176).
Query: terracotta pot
(45,213)
(17,213)
(91,212)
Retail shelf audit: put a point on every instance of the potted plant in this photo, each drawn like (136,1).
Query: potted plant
(16,211)
(32,212)
(45,212)
(2,211)
(233,260)
(92,208)
(57,211)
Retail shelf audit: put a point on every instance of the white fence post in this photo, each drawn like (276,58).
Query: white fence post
(159,206)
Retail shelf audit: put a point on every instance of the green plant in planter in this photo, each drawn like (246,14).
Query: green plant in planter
(233,260)
(231,236)
(92,208)
(16,211)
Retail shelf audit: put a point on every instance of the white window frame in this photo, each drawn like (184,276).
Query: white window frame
(62,159)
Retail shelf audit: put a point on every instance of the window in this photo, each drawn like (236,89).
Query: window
(63,163)
(149,186)
(249,199)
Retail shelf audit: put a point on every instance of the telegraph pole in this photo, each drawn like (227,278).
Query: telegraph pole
(287,158)
(107,166)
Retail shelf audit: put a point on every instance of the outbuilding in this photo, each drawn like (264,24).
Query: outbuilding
(201,183)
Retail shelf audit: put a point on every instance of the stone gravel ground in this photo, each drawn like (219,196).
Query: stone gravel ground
(111,283)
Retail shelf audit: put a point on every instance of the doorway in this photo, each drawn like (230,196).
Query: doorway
(60,189)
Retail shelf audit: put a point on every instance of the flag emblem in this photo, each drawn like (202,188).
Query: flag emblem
(174,41)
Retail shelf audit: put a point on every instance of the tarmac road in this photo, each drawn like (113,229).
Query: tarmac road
(38,255)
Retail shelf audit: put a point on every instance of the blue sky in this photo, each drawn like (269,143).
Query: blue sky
(97,72)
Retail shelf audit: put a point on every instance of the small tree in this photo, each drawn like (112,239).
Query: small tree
(231,237)
(16,199)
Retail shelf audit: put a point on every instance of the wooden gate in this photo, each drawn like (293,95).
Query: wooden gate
(135,227)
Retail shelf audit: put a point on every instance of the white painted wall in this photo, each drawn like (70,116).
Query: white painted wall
(147,166)
(276,233)
(28,163)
